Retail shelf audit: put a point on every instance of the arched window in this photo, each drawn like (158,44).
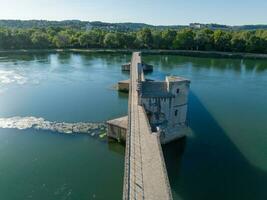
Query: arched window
(176,112)
(177,91)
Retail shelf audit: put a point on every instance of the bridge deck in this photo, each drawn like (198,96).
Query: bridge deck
(145,173)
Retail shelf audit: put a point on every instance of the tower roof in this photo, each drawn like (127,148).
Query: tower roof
(153,89)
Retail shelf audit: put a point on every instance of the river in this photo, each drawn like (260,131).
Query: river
(224,156)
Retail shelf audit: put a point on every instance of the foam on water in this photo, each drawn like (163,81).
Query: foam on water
(9,76)
(36,123)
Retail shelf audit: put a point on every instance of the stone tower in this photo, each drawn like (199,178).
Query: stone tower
(165,103)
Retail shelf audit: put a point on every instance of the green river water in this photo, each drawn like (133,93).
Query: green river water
(224,157)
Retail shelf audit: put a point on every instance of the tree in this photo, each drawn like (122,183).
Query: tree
(157,39)
(62,40)
(256,44)
(91,39)
(203,39)
(112,40)
(144,38)
(5,39)
(40,40)
(168,37)
(184,40)
(238,42)
(128,40)
(222,40)
(22,39)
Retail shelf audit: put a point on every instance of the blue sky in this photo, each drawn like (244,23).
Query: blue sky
(232,12)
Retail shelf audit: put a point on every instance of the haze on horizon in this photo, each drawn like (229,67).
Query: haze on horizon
(157,12)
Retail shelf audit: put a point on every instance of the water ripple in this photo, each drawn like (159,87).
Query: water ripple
(9,76)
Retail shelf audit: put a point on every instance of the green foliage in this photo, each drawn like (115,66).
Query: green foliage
(144,38)
(222,40)
(256,44)
(40,40)
(204,40)
(167,39)
(184,39)
(91,39)
(238,42)
(112,40)
(128,40)
(5,39)
(62,40)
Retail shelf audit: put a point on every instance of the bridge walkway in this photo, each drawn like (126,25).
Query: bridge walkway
(145,175)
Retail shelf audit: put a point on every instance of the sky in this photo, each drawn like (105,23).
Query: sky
(157,12)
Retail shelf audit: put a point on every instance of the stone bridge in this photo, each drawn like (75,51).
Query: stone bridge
(145,175)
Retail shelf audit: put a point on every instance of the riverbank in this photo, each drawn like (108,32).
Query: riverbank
(205,54)
(213,54)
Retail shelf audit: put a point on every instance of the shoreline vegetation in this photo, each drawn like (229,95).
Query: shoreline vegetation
(185,41)
(191,53)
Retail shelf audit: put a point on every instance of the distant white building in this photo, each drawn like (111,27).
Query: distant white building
(196,25)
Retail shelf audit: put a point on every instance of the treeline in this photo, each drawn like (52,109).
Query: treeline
(42,24)
(184,39)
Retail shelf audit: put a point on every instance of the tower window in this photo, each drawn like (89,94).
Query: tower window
(176,112)
(177,91)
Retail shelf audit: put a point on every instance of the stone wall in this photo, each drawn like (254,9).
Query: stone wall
(169,114)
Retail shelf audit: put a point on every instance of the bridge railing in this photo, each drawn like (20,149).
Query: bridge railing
(127,165)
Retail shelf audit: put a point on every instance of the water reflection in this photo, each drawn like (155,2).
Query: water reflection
(8,77)
(171,61)
(25,57)
(116,147)
(64,58)
(123,95)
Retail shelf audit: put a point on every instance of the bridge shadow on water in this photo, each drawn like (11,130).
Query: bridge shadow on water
(208,165)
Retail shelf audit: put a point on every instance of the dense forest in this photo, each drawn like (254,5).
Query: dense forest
(146,38)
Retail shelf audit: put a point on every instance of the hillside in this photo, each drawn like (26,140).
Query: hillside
(77,24)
